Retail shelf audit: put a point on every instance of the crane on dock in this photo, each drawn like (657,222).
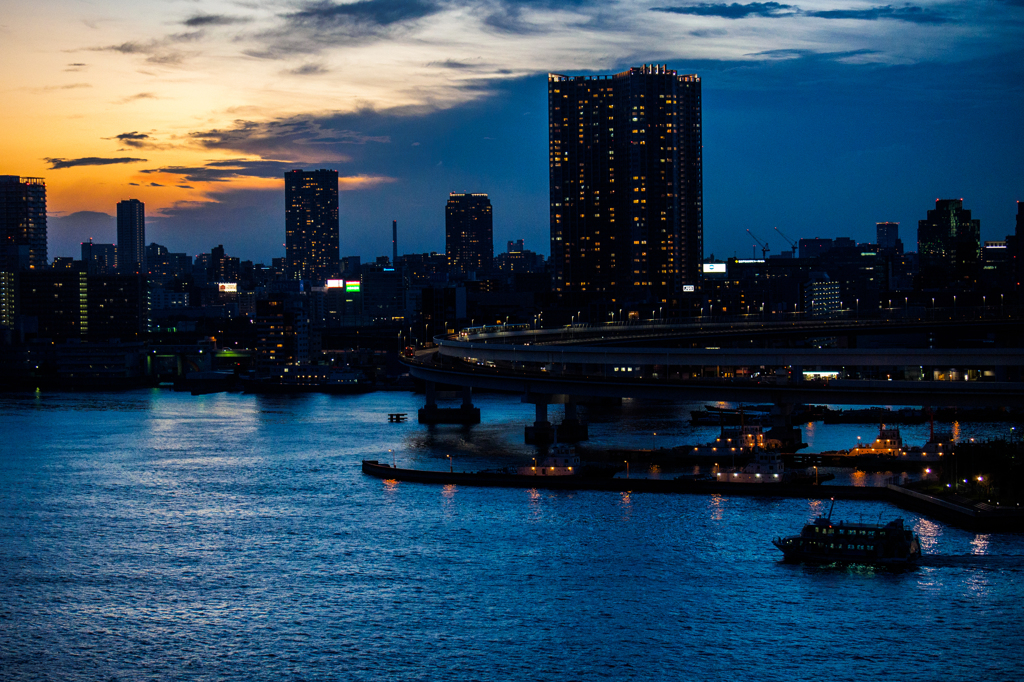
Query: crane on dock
(792,244)
(763,245)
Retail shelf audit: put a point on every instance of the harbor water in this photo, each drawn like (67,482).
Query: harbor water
(152,535)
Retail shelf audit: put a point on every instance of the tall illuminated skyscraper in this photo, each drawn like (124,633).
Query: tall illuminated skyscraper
(131,237)
(311,224)
(468,233)
(626,186)
(22,223)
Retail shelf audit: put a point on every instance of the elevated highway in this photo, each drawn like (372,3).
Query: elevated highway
(683,362)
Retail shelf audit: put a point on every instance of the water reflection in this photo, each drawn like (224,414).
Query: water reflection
(979,545)
(717,506)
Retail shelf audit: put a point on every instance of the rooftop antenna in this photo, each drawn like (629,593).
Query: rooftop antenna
(394,243)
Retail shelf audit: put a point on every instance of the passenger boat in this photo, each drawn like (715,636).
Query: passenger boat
(824,542)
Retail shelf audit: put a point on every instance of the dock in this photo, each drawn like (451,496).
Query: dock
(976,517)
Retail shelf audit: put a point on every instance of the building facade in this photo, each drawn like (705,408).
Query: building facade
(949,246)
(311,224)
(468,233)
(626,186)
(22,223)
(131,237)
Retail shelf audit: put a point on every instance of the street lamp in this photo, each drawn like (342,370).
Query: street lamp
(627,467)
(654,441)
(451,464)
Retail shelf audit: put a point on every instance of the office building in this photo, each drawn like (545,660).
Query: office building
(131,237)
(53,304)
(311,224)
(100,259)
(117,307)
(626,187)
(22,223)
(888,237)
(468,233)
(949,246)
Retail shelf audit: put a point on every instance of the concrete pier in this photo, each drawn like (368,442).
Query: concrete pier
(432,414)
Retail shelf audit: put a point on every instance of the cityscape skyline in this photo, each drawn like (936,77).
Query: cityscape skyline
(199,112)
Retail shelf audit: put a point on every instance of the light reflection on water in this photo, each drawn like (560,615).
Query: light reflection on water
(235,537)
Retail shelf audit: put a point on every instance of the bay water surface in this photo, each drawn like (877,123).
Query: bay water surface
(152,535)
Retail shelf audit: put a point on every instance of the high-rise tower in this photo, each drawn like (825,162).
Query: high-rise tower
(311,224)
(949,245)
(626,185)
(22,223)
(468,233)
(131,237)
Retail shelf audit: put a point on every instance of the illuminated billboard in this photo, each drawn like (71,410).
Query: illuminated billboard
(714,267)
(227,287)
(688,288)
(335,284)
(352,286)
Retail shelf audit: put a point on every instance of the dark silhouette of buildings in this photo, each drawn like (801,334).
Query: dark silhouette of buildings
(949,246)
(626,187)
(99,259)
(131,237)
(468,233)
(22,223)
(311,224)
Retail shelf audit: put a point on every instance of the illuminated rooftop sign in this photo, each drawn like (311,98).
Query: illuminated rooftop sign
(227,287)
(714,267)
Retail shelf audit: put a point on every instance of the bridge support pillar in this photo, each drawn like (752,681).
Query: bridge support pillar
(542,432)
(571,430)
(782,429)
(432,414)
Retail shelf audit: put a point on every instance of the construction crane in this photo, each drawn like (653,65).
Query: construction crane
(763,245)
(792,244)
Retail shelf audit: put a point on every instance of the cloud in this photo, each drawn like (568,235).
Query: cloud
(910,13)
(203,20)
(184,186)
(326,14)
(157,51)
(69,86)
(230,169)
(138,96)
(732,11)
(134,139)
(308,70)
(291,137)
(77,66)
(323,25)
(453,64)
(58,163)
(354,182)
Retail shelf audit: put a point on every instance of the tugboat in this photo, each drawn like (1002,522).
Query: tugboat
(824,542)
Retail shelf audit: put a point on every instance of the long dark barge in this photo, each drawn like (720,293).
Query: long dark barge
(649,485)
(979,517)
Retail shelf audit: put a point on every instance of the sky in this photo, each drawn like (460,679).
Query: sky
(820,118)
